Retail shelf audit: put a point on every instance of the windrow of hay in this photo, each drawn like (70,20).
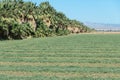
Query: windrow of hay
(60,74)
(60,64)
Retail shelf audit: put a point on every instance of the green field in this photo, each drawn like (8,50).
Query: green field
(73,57)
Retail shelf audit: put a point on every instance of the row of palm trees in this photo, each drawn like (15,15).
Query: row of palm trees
(19,20)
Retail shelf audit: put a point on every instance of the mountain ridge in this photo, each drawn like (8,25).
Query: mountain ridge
(103,26)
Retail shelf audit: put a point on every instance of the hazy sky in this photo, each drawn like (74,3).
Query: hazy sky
(100,11)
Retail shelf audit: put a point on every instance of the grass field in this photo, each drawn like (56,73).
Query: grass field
(73,57)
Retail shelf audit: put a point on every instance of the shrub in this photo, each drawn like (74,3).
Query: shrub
(21,31)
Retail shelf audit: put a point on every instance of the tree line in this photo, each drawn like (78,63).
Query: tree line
(20,19)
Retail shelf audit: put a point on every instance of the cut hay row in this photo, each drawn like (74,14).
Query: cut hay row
(59,74)
(60,64)
(17,59)
(79,55)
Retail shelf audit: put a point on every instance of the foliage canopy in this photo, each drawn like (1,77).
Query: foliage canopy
(19,20)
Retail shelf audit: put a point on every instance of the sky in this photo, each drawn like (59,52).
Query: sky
(97,11)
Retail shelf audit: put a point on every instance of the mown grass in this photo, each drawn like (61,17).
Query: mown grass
(73,57)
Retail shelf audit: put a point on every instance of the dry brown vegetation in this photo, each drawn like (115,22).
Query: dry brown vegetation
(102,33)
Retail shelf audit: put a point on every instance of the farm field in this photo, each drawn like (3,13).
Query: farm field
(72,57)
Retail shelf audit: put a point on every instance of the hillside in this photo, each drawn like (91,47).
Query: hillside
(105,27)
(19,20)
